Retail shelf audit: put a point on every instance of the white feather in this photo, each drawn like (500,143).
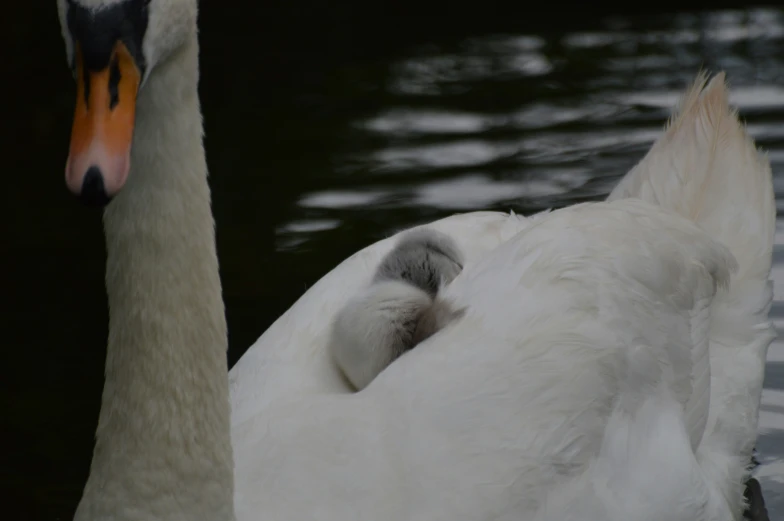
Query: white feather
(516,401)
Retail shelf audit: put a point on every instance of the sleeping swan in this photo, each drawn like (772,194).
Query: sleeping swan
(521,401)
(399,309)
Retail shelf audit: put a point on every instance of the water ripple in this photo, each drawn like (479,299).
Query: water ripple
(465,153)
(495,120)
(407,122)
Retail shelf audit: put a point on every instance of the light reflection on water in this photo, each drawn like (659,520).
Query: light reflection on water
(455,137)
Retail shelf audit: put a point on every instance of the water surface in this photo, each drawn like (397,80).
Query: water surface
(350,152)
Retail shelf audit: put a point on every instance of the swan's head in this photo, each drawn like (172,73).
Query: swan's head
(112,47)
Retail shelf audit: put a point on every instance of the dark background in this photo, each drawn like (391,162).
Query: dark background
(280,85)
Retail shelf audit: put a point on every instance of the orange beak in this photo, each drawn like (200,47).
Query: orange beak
(100,152)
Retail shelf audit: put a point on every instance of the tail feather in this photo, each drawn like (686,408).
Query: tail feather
(707,169)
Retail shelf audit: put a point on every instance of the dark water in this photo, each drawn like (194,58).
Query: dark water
(317,150)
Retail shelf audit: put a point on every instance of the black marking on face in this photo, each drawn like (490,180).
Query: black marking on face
(97,31)
(86,81)
(114,82)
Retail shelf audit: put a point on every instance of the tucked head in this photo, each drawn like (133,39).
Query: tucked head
(112,47)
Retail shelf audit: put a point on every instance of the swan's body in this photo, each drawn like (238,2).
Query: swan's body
(455,397)
(582,327)
(459,387)
(399,309)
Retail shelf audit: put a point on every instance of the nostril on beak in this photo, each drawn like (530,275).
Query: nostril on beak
(93,190)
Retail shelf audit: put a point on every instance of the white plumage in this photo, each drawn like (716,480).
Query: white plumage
(523,390)
(399,309)
(607,364)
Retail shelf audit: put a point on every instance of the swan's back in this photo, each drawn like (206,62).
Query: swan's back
(521,388)
(524,386)
(549,315)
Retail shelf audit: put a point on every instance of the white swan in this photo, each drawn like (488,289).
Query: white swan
(703,168)
(513,401)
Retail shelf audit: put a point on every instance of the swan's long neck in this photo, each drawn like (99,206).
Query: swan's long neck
(163,446)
